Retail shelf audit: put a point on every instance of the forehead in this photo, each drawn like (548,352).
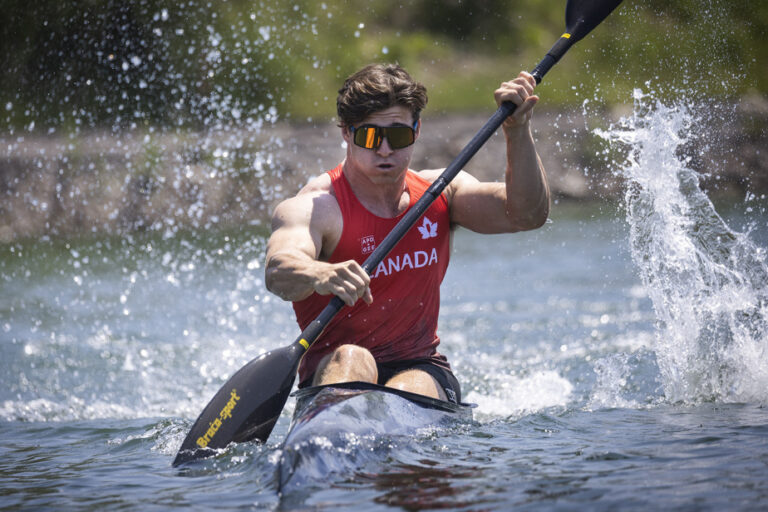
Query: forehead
(389,116)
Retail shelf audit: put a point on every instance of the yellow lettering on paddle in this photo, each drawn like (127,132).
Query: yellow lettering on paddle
(215,425)
(566,35)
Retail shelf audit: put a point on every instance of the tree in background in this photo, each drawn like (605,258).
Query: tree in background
(190,64)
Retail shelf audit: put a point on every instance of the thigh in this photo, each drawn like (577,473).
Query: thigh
(417,381)
(345,364)
(446,381)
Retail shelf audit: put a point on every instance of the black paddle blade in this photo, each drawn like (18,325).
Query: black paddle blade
(581,16)
(246,407)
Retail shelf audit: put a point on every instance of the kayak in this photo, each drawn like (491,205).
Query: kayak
(338,427)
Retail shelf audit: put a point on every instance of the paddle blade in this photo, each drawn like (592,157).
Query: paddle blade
(246,407)
(581,16)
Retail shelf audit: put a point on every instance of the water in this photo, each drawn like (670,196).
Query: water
(574,346)
(709,284)
(618,356)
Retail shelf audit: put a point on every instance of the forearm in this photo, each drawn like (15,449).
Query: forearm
(294,276)
(291,276)
(527,190)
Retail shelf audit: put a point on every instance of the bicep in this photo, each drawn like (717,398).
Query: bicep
(307,224)
(293,231)
(479,206)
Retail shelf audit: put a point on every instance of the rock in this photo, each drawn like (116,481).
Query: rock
(106,183)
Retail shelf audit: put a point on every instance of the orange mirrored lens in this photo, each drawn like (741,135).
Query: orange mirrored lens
(371,137)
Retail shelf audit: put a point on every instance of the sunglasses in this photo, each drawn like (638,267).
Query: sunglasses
(369,136)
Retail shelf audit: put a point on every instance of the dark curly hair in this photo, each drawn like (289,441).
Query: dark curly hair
(378,87)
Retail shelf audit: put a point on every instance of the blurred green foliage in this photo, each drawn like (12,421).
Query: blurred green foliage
(195,63)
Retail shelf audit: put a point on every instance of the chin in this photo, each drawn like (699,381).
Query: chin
(388,176)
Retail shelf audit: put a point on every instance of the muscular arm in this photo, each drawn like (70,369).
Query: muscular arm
(305,229)
(522,201)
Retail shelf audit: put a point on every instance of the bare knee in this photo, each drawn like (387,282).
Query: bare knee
(351,353)
(345,364)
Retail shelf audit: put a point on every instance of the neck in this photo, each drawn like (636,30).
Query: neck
(385,198)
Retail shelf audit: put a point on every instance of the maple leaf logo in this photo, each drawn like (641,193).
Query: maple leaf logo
(428,229)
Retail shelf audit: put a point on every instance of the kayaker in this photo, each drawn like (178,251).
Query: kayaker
(322,235)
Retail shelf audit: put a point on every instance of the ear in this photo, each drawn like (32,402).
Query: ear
(418,129)
(346,134)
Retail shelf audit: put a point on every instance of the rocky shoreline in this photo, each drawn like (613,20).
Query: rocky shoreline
(107,183)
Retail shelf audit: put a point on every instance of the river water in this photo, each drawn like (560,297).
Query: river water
(618,357)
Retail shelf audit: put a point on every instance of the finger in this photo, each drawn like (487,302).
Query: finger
(524,80)
(514,93)
(356,276)
(338,287)
(527,85)
(517,97)
(528,78)
(509,97)
(350,296)
(354,268)
(526,107)
(354,282)
(343,294)
(522,113)
(354,290)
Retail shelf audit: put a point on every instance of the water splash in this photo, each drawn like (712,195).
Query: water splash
(144,171)
(623,380)
(515,397)
(708,283)
(159,120)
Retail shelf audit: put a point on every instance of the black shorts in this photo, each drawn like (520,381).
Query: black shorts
(442,375)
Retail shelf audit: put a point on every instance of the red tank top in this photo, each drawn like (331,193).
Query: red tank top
(401,323)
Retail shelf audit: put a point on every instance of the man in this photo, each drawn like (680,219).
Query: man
(322,235)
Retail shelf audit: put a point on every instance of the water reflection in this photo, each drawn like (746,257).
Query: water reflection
(426,485)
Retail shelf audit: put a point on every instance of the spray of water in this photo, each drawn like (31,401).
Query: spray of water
(708,282)
(155,135)
(154,117)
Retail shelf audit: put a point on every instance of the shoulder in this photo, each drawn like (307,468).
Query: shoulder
(462,179)
(315,203)
(313,214)
(429,175)
(318,184)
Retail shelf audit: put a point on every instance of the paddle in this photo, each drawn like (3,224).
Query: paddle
(249,404)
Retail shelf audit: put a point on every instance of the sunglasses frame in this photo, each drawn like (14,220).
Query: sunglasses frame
(380,132)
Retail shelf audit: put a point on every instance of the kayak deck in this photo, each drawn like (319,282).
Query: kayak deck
(336,426)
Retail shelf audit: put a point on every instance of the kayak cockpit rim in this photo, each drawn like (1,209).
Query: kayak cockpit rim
(422,400)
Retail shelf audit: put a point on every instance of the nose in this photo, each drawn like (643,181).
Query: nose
(384,149)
